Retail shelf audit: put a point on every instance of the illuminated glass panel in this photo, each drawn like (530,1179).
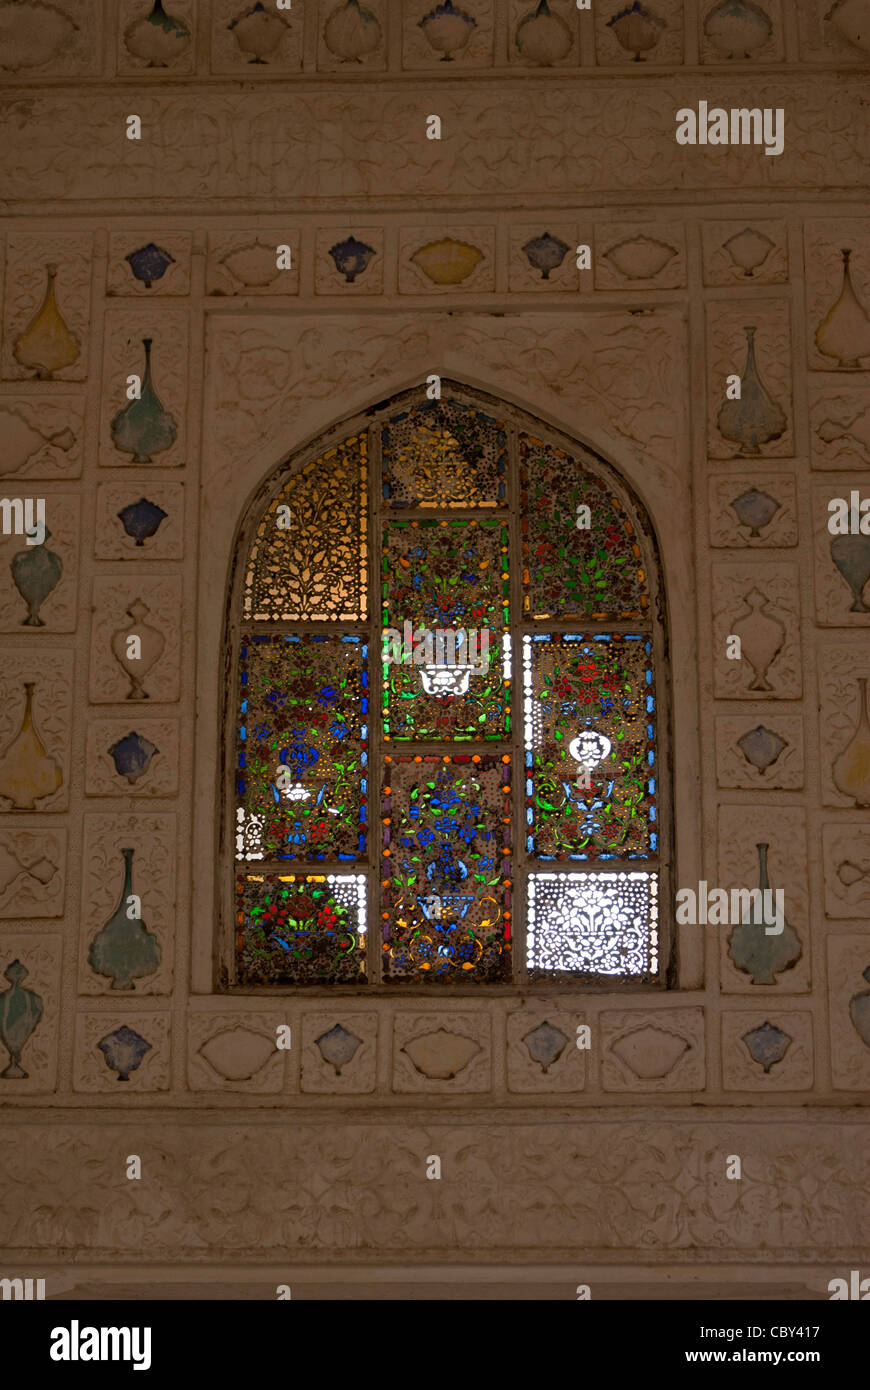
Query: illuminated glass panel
(444,454)
(446,869)
(589,735)
(302,748)
(592,924)
(300,928)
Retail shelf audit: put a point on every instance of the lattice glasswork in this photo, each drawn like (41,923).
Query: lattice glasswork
(589,730)
(444,454)
(446,885)
(459,486)
(446,577)
(577,563)
(300,929)
(307,562)
(592,924)
(302,748)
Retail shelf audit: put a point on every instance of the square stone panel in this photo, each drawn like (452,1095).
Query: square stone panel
(349,42)
(70,42)
(821,39)
(742,828)
(838,339)
(725,37)
(543,41)
(112,541)
(455,259)
(746,253)
(542,1053)
(91,1071)
(652,1050)
(156,50)
(787,1036)
(153,774)
(58,611)
(28,255)
(446,1053)
(840,668)
(42,437)
(259,45)
(350,1039)
(752,512)
(736,428)
(124,356)
(447,37)
(30,782)
(236,1052)
(748,765)
(545,275)
(362,272)
(152,839)
(635,38)
(117,603)
(40,954)
(650,255)
(32,872)
(839,425)
(246,262)
(160,263)
(846,846)
(760,605)
(849,1004)
(842,562)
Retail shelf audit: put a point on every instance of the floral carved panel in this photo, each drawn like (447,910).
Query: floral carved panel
(42,436)
(30,779)
(750,340)
(762,751)
(32,873)
(841,669)
(40,954)
(135,1036)
(753,960)
(118,614)
(132,757)
(758,605)
(39,583)
(45,335)
(846,847)
(156,434)
(742,254)
(751,512)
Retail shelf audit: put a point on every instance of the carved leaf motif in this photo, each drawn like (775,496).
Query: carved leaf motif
(237,1054)
(650,1052)
(441,1055)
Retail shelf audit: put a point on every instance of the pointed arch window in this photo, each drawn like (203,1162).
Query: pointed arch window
(444,761)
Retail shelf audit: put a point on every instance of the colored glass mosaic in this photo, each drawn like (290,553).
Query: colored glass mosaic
(308,559)
(589,735)
(581,556)
(446,868)
(448,578)
(444,454)
(300,929)
(301,751)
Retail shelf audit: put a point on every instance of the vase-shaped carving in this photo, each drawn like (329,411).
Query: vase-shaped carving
(545,253)
(761,638)
(542,37)
(158,38)
(258,31)
(851,771)
(20,1012)
(447,29)
(844,333)
(27,774)
(637,29)
(851,555)
(125,950)
(761,747)
(737,27)
(36,571)
(852,18)
(136,648)
(351,32)
(758,952)
(748,250)
(149,263)
(47,346)
(141,519)
(144,427)
(755,509)
(755,418)
(123,1050)
(859,1011)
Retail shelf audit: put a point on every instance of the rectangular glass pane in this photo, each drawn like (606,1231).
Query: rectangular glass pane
(589,735)
(301,768)
(446,874)
(581,557)
(592,924)
(308,559)
(300,928)
(445,655)
(444,454)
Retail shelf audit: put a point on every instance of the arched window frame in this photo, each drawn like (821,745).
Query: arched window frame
(516,421)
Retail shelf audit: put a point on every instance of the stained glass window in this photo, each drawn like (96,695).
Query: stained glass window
(393,823)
